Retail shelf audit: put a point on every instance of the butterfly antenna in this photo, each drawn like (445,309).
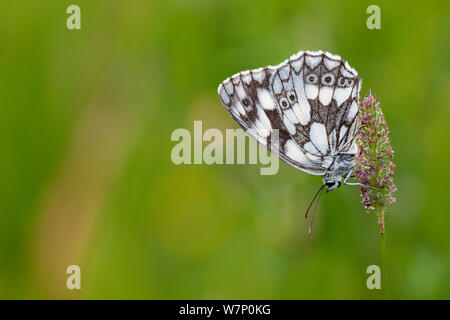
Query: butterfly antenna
(314,212)
(312,201)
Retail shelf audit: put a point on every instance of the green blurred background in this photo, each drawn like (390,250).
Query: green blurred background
(87,179)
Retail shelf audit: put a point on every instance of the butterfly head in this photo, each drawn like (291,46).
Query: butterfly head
(331,185)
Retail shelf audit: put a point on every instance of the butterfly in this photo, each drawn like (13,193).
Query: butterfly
(303,110)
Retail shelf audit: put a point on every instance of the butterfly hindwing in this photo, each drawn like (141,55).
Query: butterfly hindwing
(248,98)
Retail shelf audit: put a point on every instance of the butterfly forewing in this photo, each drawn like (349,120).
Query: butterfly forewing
(310,101)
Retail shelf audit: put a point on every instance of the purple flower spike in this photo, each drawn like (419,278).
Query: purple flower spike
(374,160)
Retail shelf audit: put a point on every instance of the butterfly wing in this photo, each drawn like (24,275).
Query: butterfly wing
(313,118)
(248,98)
(318,96)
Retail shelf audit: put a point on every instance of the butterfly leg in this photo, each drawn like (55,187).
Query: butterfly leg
(349,174)
(353,184)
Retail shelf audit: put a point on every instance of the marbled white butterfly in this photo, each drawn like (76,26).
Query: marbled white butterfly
(303,110)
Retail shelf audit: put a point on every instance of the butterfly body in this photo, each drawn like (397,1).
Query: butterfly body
(339,170)
(303,110)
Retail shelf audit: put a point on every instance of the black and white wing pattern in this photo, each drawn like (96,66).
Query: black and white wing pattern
(311,99)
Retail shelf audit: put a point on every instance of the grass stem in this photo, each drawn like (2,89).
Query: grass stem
(383,254)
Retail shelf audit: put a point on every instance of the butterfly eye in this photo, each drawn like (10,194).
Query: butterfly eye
(349,82)
(284,103)
(312,78)
(292,96)
(329,183)
(328,79)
